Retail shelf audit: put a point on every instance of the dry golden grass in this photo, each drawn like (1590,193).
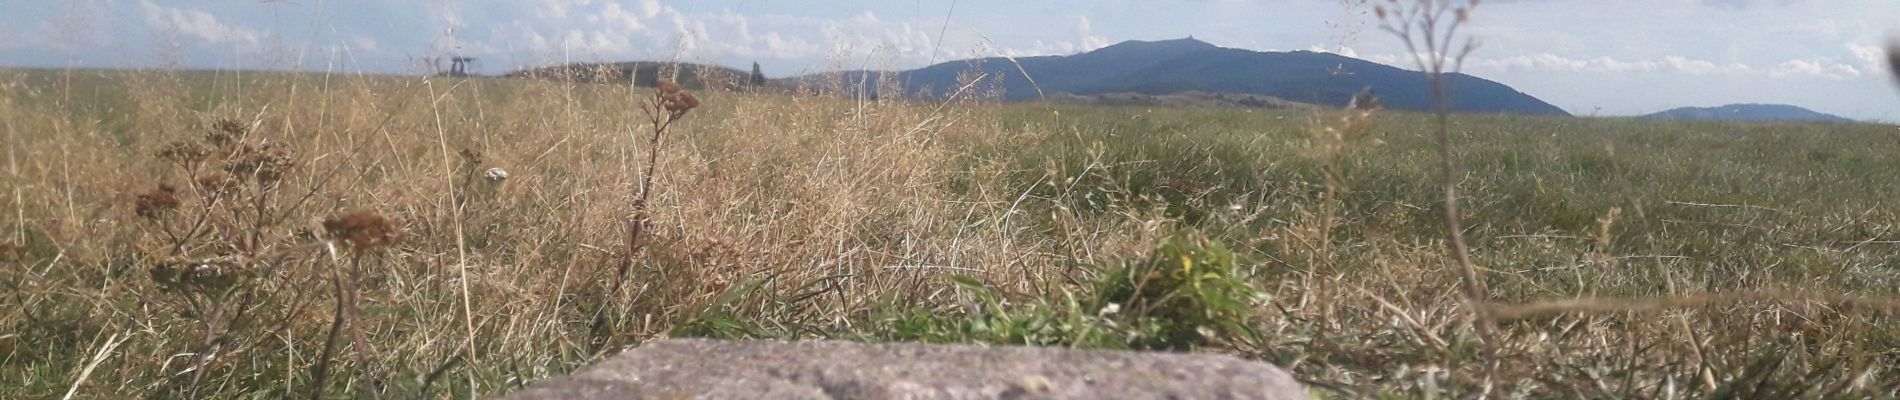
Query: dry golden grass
(850,200)
(823,216)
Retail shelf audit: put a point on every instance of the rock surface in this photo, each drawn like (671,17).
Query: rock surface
(708,369)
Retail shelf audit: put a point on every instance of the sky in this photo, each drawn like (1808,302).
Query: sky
(1591,57)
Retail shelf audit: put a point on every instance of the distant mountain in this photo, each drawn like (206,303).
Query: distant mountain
(1183,99)
(1749,112)
(1188,65)
(643,73)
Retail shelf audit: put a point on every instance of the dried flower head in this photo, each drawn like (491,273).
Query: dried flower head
(225,132)
(156,203)
(680,103)
(217,183)
(675,99)
(184,152)
(471,156)
(362,230)
(267,163)
(667,86)
(204,275)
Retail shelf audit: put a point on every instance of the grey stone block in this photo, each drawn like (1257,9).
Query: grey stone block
(709,369)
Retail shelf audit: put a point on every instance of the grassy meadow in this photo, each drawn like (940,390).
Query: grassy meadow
(1738,260)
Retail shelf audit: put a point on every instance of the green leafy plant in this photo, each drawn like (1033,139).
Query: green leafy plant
(1188,293)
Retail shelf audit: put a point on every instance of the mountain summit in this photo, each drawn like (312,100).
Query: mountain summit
(1189,65)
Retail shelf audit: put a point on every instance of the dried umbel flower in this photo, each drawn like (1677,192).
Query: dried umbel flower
(362,230)
(217,183)
(675,99)
(680,103)
(471,156)
(267,163)
(156,203)
(225,132)
(212,275)
(667,86)
(184,152)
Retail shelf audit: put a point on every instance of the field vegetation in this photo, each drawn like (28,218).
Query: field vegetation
(230,235)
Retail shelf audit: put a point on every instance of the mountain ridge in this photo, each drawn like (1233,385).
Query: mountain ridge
(1748,112)
(1189,65)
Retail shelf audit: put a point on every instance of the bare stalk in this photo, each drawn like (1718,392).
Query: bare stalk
(322,368)
(1428,28)
(345,310)
(669,103)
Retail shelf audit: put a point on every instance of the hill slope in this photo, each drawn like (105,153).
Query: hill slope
(1184,65)
(1749,112)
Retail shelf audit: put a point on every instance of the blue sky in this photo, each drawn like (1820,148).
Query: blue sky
(1624,56)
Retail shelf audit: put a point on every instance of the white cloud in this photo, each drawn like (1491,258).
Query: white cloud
(1872,58)
(1704,67)
(1813,68)
(1557,63)
(557,9)
(197,24)
(613,16)
(1346,51)
(1085,33)
(363,43)
(649,8)
(1553,62)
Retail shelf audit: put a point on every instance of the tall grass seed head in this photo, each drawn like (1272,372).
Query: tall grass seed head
(362,230)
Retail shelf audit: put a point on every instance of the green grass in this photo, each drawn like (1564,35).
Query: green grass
(1206,230)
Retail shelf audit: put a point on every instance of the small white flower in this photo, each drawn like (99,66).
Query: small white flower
(495,175)
(1112,308)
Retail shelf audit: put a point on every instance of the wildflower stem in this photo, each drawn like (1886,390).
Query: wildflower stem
(329,344)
